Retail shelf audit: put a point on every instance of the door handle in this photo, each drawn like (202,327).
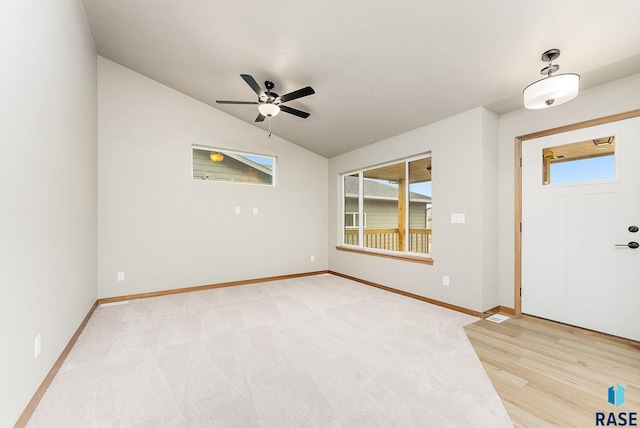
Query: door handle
(632,245)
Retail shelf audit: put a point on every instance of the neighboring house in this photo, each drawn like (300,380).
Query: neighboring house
(229,167)
(381,217)
(381,206)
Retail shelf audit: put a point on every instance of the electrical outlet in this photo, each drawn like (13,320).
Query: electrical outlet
(37,346)
(313,258)
(445,281)
(120,276)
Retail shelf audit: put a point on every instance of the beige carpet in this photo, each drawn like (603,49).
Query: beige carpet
(318,351)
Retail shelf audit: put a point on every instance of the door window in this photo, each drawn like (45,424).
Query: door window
(590,160)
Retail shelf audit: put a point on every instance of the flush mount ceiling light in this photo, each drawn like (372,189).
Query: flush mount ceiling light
(268,109)
(552,90)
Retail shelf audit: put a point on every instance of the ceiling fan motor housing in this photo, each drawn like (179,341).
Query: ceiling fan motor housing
(270,97)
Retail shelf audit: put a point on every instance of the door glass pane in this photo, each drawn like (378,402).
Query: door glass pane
(590,160)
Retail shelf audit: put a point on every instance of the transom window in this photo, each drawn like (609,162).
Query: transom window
(395,202)
(231,166)
(590,160)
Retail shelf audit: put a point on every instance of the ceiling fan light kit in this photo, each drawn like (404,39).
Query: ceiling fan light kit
(553,90)
(268,109)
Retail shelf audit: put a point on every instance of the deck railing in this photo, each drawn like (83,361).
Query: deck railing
(387,239)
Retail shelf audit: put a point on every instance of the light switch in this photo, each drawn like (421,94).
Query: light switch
(237,210)
(255,210)
(457,218)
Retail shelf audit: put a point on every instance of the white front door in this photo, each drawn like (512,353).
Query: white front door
(577,264)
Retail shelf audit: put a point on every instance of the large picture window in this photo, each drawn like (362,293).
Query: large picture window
(231,166)
(395,200)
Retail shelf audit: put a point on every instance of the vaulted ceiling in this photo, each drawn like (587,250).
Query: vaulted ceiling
(379,69)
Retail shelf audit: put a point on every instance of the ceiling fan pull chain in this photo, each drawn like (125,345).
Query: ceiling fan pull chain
(269,127)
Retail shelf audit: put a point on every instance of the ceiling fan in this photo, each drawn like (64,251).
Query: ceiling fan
(269,103)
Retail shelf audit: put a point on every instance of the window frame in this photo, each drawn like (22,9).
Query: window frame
(547,163)
(424,258)
(273,171)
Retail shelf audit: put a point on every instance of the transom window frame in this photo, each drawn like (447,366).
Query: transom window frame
(232,152)
(424,258)
(548,159)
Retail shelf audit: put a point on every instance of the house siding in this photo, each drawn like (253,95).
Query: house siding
(383,214)
(228,170)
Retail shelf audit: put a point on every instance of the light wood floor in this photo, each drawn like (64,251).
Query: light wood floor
(550,374)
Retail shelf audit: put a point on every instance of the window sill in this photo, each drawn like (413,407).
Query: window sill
(390,255)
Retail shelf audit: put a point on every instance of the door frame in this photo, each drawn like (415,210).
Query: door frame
(517,270)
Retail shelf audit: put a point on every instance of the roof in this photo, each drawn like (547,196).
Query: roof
(260,167)
(378,190)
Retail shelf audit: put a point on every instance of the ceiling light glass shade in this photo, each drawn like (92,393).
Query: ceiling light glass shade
(551,91)
(268,110)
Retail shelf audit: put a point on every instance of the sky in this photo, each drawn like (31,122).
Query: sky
(422,188)
(263,160)
(600,168)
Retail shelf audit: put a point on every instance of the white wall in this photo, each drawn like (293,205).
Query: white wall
(166,230)
(464,151)
(48,182)
(612,98)
(489,195)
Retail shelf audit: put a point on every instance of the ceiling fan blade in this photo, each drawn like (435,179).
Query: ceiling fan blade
(236,102)
(260,118)
(295,112)
(254,85)
(297,94)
